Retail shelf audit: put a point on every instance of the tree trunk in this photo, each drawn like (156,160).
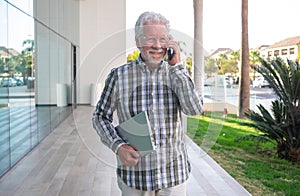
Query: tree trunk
(244,82)
(198,46)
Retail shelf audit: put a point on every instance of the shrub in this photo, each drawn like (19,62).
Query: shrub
(282,123)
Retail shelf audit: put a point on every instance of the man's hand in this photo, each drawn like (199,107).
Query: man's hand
(128,155)
(176,51)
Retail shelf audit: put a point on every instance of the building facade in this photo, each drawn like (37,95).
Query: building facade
(76,43)
(286,49)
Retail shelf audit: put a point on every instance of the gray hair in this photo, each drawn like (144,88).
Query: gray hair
(150,17)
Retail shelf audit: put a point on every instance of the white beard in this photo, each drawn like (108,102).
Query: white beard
(155,52)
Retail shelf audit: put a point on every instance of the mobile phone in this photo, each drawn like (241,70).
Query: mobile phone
(170,53)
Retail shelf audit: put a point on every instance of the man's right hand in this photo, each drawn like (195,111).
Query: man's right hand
(128,155)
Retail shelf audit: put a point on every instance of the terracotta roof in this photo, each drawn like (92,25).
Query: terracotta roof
(13,52)
(261,47)
(287,42)
(220,51)
(8,51)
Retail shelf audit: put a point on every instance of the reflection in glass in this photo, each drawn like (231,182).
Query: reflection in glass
(28,108)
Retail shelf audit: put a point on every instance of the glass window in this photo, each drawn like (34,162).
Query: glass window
(25,116)
(270,53)
(284,52)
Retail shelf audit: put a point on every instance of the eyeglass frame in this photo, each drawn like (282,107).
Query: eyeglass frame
(150,40)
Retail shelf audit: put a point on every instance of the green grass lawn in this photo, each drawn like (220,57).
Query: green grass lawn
(255,167)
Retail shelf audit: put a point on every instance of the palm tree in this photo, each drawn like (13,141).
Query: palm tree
(221,60)
(24,63)
(283,124)
(254,60)
(1,64)
(235,56)
(29,45)
(210,66)
(28,53)
(244,82)
(198,45)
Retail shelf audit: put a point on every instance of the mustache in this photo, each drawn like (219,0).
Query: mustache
(156,50)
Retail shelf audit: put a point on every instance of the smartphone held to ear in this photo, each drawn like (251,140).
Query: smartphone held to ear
(170,53)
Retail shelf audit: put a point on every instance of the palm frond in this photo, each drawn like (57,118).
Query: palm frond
(283,123)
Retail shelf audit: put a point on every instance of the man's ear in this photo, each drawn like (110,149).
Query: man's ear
(137,43)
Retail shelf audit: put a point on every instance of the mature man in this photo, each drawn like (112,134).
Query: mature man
(163,89)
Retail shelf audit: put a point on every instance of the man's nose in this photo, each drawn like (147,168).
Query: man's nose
(157,43)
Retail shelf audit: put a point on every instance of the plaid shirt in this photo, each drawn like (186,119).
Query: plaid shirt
(164,93)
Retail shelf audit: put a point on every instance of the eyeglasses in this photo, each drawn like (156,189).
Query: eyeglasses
(152,39)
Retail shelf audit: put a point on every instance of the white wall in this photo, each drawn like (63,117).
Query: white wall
(284,57)
(97,27)
(56,28)
(102,42)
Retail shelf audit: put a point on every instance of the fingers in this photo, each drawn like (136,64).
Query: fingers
(134,154)
(176,51)
(173,44)
(128,155)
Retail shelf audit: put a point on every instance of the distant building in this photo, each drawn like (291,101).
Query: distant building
(260,48)
(6,53)
(216,53)
(285,49)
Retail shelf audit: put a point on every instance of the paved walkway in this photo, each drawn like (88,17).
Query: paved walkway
(72,161)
